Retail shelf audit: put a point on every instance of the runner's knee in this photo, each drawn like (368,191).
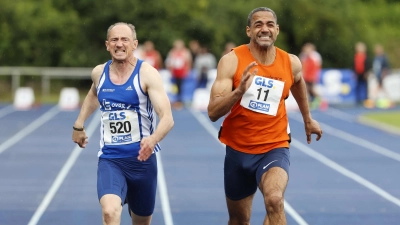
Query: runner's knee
(111,212)
(239,211)
(274,202)
(239,217)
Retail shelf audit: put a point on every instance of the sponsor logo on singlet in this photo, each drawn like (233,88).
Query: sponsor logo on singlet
(107,90)
(121,138)
(259,106)
(107,105)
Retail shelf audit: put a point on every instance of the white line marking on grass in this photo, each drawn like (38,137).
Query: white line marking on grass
(163,192)
(63,173)
(30,128)
(314,154)
(355,140)
(214,132)
(6,110)
(379,125)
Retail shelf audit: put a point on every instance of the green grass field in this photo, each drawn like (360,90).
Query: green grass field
(389,118)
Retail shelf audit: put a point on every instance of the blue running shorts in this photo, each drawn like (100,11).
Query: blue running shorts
(243,172)
(135,182)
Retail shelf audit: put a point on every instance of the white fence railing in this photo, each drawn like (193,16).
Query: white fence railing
(392,83)
(46,73)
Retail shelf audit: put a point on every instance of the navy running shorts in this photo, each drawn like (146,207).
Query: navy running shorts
(243,172)
(135,182)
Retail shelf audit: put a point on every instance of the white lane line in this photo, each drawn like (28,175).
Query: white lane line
(6,110)
(30,128)
(355,140)
(363,120)
(63,173)
(214,132)
(341,115)
(289,209)
(163,192)
(314,154)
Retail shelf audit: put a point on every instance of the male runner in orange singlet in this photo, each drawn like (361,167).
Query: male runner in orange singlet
(252,84)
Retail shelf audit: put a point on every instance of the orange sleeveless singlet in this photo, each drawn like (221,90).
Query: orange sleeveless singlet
(253,132)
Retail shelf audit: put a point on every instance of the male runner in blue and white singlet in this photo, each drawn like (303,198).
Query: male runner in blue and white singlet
(130,94)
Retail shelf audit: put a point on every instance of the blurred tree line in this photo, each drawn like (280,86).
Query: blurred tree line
(72,32)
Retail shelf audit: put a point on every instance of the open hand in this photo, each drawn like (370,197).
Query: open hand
(247,77)
(313,127)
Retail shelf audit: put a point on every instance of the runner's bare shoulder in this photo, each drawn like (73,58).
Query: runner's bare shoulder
(296,64)
(96,73)
(228,64)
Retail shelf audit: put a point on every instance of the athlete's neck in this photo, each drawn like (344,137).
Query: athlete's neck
(265,56)
(123,68)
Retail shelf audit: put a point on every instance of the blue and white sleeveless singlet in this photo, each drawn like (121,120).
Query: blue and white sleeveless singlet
(127,115)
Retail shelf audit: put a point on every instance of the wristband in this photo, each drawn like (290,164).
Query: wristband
(78,129)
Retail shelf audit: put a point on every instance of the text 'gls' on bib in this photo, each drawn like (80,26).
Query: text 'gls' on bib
(263,95)
(120,127)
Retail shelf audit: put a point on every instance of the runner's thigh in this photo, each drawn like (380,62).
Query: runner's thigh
(142,184)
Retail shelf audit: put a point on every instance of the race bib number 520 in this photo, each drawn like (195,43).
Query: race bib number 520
(263,95)
(120,127)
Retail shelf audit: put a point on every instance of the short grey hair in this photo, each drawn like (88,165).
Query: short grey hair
(131,26)
(260,9)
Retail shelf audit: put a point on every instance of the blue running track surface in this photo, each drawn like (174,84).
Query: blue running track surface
(351,176)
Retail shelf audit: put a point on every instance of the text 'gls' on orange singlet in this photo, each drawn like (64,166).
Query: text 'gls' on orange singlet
(258,123)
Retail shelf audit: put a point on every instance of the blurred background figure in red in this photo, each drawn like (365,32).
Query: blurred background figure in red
(151,55)
(179,63)
(312,62)
(361,66)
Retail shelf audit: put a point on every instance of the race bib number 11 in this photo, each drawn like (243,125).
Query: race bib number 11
(263,95)
(120,127)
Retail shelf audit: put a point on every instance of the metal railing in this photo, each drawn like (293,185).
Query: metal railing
(46,73)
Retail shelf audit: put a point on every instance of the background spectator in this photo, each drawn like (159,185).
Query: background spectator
(228,47)
(179,63)
(381,69)
(194,47)
(202,64)
(380,66)
(312,62)
(138,52)
(361,66)
(151,55)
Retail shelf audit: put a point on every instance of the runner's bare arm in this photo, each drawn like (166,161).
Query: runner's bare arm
(299,92)
(222,96)
(298,89)
(90,104)
(155,89)
(152,84)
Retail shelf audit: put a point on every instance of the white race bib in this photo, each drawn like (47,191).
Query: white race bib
(263,95)
(120,127)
